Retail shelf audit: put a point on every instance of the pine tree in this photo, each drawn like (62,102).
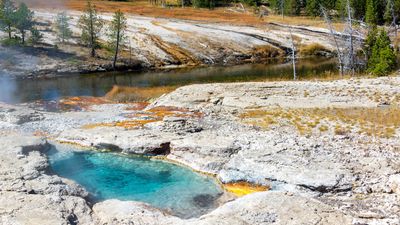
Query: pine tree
(371,16)
(392,11)
(374,11)
(292,7)
(7,15)
(382,58)
(313,7)
(359,7)
(341,7)
(370,41)
(62,27)
(36,36)
(23,20)
(116,34)
(91,25)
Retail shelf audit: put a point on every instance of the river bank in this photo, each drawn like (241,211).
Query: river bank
(327,151)
(159,43)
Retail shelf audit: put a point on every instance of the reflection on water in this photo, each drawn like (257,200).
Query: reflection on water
(7,89)
(100,84)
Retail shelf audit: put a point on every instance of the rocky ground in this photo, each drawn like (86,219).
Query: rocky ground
(157,43)
(328,151)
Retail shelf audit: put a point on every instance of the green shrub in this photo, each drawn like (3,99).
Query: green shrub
(203,3)
(11,42)
(381,55)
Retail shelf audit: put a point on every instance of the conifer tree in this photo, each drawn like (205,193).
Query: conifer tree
(23,20)
(116,34)
(292,7)
(313,7)
(62,27)
(359,7)
(382,58)
(7,15)
(91,25)
(36,36)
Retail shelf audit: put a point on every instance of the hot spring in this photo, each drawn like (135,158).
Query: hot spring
(163,185)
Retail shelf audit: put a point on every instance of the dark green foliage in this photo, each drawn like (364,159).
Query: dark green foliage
(370,41)
(275,5)
(290,7)
(116,34)
(62,27)
(91,25)
(358,8)
(381,56)
(392,8)
(7,16)
(204,3)
(23,20)
(374,11)
(313,7)
(35,37)
(371,12)
(250,2)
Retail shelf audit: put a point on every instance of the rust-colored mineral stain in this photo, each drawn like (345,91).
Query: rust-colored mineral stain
(128,124)
(81,102)
(140,118)
(244,188)
(40,133)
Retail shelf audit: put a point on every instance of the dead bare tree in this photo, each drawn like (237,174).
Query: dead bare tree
(293,49)
(392,12)
(351,37)
(350,56)
(334,36)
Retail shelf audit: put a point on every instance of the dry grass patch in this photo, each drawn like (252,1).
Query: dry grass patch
(313,50)
(377,122)
(266,52)
(132,94)
(302,21)
(219,14)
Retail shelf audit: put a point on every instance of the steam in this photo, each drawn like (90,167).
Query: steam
(7,88)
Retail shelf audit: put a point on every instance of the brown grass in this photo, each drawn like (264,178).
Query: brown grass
(132,94)
(219,15)
(267,52)
(377,122)
(312,50)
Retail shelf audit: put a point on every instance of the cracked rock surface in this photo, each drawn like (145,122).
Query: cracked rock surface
(324,178)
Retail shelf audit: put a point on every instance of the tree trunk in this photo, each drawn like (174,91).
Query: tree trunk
(9,31)
(293,55)
(23,36)
(351,50)
(116,47)
(93,51)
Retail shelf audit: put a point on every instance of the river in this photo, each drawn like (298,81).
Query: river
(20,91)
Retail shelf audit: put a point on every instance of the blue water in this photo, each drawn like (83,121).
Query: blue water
(164,185)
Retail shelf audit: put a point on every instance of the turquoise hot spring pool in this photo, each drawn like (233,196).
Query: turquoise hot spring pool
(163,185)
